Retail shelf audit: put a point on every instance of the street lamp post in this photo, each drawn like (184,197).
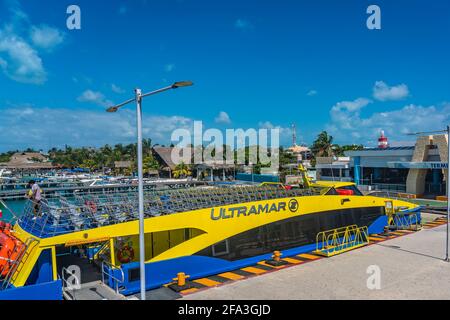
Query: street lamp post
(138,99)
(447,240)
(448,193)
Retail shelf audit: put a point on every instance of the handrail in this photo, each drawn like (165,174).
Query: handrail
(30,244)
(409,220)
(101,189)
(104,247)
(21,259)
(338,240)
(399,195)
(64,215)
(14,216)
(69,286)
(117,280)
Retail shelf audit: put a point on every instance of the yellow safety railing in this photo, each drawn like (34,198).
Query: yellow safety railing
(268,183)
(339,240)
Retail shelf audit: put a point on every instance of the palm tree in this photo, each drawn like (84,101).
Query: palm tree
(147,146)
(181,170)
(323,145)
(150,163)
(89,164)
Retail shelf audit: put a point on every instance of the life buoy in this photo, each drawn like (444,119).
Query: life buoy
(125,254)
(9,252)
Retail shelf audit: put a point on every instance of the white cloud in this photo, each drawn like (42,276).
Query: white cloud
(95,97)
(19,19)
(223,118)
(46,37)
(161,127)
(311,93)
(19,61)
(383,92)
(27,126)
(350,127)
(19,58)
(169,67)
(243,24)
(82,79)
(351,106)
(344,114)
(268,125)
(117,89)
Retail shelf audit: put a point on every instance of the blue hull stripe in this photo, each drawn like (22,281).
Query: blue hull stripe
(162,272)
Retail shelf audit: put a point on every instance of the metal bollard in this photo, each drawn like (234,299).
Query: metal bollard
(276,259)
(277,256)
(181,279)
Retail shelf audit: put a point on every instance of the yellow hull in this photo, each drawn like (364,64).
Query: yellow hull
(206,226)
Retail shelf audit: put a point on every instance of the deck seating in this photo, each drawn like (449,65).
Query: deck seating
(84,211)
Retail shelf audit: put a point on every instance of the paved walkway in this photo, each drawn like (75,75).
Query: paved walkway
(411,267)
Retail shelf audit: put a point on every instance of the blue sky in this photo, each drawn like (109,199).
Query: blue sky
(255,63)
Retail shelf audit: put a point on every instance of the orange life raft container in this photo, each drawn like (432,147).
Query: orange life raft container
(10,249)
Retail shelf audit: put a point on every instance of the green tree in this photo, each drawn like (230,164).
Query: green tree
(89,164)
(6,156)
(149,163)
(181,170)
(323,145)
(340,150)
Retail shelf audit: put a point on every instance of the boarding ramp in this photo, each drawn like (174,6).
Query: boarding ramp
(108,288)
(92,291)
(336,241)
(60,215)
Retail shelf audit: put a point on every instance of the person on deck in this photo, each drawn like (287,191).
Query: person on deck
(35,195)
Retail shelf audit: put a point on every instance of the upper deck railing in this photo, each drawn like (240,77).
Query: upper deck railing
(60,215)
(68,189)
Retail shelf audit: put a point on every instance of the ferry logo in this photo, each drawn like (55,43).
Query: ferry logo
(293,205)
(234,212)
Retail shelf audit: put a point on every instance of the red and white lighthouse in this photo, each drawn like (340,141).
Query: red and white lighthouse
(382,141)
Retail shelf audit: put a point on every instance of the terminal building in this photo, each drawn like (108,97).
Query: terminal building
(420,169)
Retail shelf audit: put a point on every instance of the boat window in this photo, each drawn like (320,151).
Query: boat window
(344,191)
(155,243)
(352,191)
(289,233)
(331,192)
(220,248)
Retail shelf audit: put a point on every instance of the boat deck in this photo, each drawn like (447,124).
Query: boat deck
(62,215)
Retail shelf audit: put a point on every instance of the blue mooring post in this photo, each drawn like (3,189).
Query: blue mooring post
(356,169)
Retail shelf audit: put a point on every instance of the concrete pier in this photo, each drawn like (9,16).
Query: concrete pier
(411,267)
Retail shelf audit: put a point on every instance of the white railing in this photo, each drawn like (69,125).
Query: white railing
(61,215)
(110,270)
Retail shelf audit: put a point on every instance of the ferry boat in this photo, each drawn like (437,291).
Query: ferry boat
(199,231)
